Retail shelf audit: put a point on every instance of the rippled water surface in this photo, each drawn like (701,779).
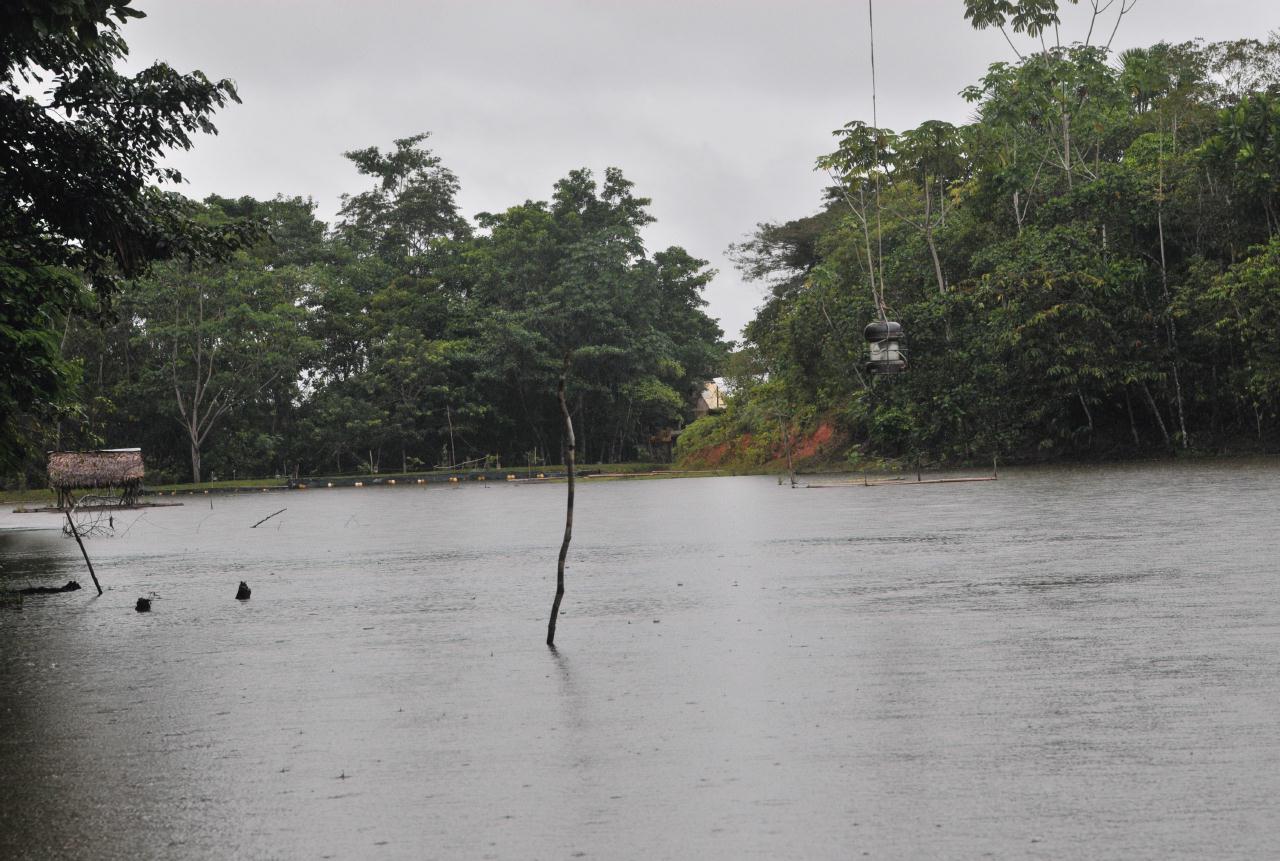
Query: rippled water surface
(1061,664)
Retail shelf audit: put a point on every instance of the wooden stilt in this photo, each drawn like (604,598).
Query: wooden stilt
(570,452)
(76,534)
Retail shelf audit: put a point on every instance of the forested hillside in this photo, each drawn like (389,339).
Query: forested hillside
(405,337)
(1090,268)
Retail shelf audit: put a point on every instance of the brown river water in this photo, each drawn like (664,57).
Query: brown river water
(1068,663)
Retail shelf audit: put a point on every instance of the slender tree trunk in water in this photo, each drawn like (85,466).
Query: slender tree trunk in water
(568,515)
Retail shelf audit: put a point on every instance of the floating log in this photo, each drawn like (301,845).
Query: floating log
(71,586)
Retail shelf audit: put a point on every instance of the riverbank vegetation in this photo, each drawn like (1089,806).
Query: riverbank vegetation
(239,337)
(404,338)
(1090,268)
(242,337)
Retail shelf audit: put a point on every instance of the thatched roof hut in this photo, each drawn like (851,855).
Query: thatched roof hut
(88,470)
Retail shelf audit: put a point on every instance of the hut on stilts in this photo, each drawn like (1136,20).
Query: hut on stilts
(117,470)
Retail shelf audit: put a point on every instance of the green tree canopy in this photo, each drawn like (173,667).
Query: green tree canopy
(80,149)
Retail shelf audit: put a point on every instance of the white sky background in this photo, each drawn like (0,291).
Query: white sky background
(715,109)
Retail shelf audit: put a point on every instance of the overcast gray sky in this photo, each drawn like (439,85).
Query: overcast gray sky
(716,109)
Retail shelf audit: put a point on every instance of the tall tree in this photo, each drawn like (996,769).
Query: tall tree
(410,208)
(222,334)
(78,163)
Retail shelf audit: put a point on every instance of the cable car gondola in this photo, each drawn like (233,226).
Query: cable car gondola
(886,354)
(884,342)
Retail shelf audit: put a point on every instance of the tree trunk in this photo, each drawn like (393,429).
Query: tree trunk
(1168,302)
(786,441)
(1087,412)
(928,237)
(937,264)
(1155,411)
(1133,424)
(195,461)
(1066,147)
(453,454)
(568,516)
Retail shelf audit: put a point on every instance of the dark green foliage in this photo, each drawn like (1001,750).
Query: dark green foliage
(1088,269)
(403,339)
(79,150)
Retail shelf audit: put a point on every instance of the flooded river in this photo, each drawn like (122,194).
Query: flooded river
(1062,664)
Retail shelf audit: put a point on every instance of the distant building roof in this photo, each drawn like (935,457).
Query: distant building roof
(82,470)
(710,400)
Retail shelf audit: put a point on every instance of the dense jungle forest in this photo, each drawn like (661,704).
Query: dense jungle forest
(403,338)
(1089,268)
(241,338)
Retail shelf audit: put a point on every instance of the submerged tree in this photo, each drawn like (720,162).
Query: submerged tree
(584,311)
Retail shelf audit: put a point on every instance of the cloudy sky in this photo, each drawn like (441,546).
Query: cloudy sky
(716,109)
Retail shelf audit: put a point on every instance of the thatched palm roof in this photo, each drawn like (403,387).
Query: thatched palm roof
(81,470)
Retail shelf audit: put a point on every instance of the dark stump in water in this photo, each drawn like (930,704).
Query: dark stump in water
(50,590)
(243,592)
(143,605)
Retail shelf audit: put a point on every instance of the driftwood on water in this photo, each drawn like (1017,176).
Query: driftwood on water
(71,586)
(570,444)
